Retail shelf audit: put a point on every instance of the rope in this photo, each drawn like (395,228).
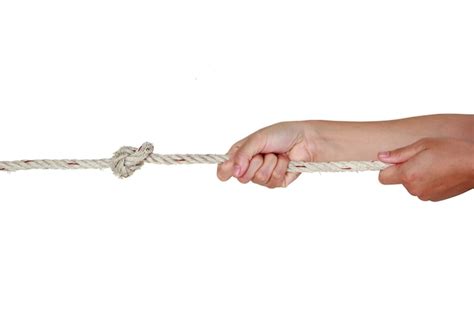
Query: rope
(128,159)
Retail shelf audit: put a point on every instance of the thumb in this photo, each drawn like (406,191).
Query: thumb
(252,146)
(403,154)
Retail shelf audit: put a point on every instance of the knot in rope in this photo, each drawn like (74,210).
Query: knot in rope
(129,159)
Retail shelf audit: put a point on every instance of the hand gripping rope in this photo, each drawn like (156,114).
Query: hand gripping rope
(128,159)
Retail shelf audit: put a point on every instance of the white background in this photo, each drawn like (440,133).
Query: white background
(80,79)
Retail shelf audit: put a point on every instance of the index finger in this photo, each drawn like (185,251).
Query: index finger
(225,170)
(251,146)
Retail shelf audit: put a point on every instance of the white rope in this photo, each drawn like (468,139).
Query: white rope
(128,159)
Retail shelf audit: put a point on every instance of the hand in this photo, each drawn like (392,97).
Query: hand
(432,168)
(263,157)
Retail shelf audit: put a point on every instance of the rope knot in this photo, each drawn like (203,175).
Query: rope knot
(128,159)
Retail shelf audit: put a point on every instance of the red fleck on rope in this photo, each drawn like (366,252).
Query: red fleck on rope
(128,159)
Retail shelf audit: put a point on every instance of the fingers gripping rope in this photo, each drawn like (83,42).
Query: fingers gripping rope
(128,159)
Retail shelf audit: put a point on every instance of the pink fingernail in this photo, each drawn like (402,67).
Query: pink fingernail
(384,154)
(236,170)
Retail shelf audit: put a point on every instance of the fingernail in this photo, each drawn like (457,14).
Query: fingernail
(384,154)
(236,170)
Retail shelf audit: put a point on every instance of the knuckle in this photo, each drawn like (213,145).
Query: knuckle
(243,180)
(273,183)
(233,150)
(237,156)
(423,197)
(412,189)
(259,136)
(278,177)
(221,175)
(412,193)
(409,176)
(257,159)
(261,177)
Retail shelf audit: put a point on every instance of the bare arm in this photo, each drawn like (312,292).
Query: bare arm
(433,155)
(336,140)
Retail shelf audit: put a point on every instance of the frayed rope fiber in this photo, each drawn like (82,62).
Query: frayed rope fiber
(128,159)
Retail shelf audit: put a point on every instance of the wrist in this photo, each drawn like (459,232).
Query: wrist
(347,141)
(320,140)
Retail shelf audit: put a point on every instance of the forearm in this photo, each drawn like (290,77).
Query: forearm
(337,140)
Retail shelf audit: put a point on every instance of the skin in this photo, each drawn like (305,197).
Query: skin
(433,155)
(431,168)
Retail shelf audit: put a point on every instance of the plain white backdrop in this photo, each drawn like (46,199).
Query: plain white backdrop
(79,79)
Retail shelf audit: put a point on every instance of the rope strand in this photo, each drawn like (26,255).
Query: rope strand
(128,159)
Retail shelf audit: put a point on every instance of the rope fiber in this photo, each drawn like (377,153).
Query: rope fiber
(129,159)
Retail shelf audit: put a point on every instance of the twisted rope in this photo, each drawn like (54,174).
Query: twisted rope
(128,159)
